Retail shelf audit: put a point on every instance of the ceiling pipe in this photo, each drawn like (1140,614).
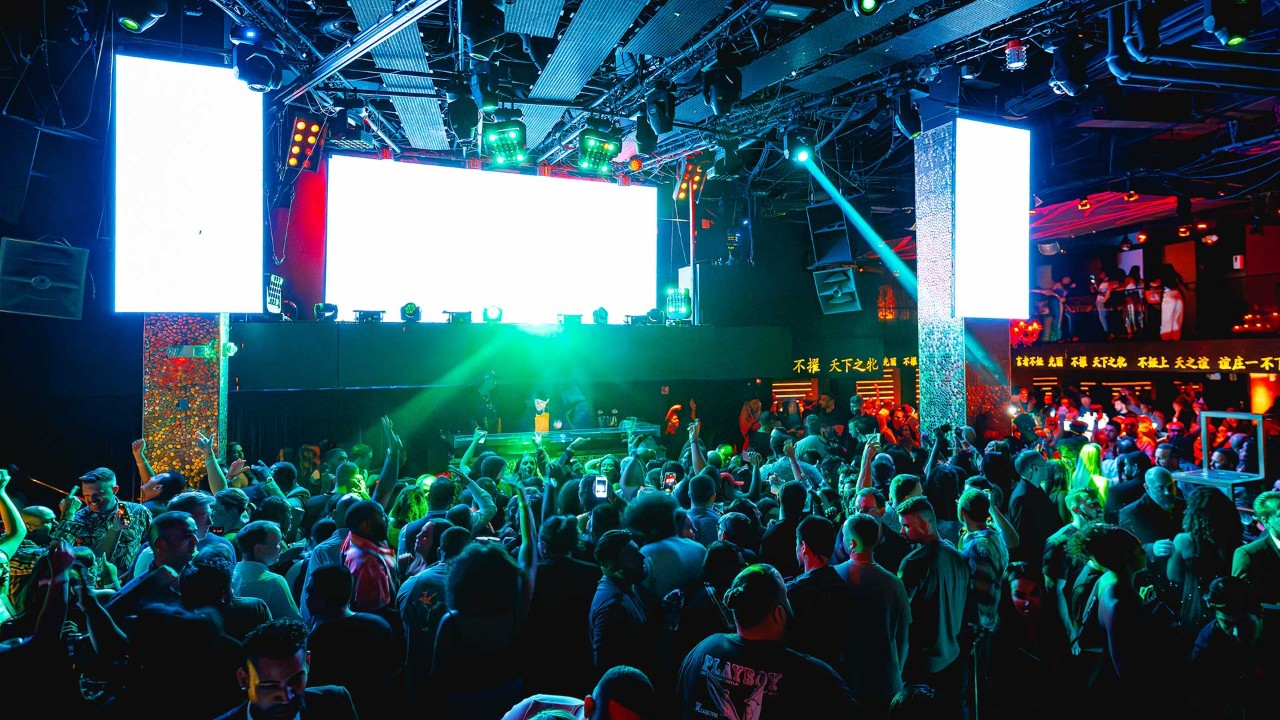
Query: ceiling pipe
(1126,69)
(1142,40)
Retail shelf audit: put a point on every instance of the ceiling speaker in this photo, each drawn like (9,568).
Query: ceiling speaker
(837,291)
(42,279)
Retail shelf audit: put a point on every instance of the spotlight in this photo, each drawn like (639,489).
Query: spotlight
(970,70)
(635,164)
(600,316)
(1015,55)
(410,312)
(492,314)
(484,90)
(646,138)
(1125,244)
(1069,75)
(690,181)
(1084,204)
(324,312)
(504,142)
(306,134)
(797,145)
(679,304)
(906,117)
(1209,239)
(464,114)
(1141,237)
(458,317)
(1130,196)
(368,316)
(721,86)
(275,294)
(480,23)
(655,317)
(1231,21)
(1184,231)
(728,163)
(865,7)
(137,16)
(256,58)
(660,108)
(598,144)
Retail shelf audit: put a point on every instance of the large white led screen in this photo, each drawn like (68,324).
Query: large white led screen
(454,240)
(992,251)
(188,189)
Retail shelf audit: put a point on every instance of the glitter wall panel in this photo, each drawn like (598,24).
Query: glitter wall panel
(942,337)
(987,376)
(184,389)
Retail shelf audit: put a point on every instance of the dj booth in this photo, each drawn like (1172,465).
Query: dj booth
(598,441)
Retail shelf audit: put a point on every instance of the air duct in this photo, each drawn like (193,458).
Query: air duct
(1127,69)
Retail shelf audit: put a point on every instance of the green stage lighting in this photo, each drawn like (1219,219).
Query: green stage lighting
(797,145)
(492,314)
(598,145)
(1231,21)
(867,7)
(679,304)
(137,16)
(411,312)
(503,142)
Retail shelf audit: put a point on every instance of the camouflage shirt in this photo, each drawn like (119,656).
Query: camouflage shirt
(87,528)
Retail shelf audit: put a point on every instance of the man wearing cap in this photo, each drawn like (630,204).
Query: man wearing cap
(751,673)
(113,528)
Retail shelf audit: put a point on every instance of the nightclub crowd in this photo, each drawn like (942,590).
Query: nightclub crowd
(824,564)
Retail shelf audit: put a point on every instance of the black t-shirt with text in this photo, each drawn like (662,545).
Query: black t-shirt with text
(731,678)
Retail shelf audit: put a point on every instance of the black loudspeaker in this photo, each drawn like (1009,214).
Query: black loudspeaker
(42,279)
(837,291)
(834,240)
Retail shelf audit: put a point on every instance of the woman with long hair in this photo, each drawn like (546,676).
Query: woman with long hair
(1211,532)
(1089,471)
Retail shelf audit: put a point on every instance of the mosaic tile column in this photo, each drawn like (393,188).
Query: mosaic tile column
(964,364)
(942,381)
(184,389)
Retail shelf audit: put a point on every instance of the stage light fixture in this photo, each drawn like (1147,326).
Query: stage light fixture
(1209,239)
(137,16)
(1126,245)
(1231,21)
(1130,196)
(970,70)
(721,85)
(1141,237)
(492,314)
(864,7)
(324,312)
(306,134)
(1015,55)
(600,316)
(646,138)
(484,90)
(464,114)
(504,142)
(679,304)
(635,164)
(458,317)
(906,117)
(727,161)
(411,312)
(660,108)
(797,145)
(481,24)
(1083,204)
(256,58)
(569,319)
(1069,74)
(368,316)
(598,144)
(655,317)
(1184,231)
(690,179)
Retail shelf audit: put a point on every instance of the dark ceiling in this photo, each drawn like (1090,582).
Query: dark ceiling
(1179,125)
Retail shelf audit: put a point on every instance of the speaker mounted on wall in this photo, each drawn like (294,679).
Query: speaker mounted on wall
(837,291)
(42,279)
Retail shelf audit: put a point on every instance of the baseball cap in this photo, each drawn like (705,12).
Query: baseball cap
(99,476)
(755,592)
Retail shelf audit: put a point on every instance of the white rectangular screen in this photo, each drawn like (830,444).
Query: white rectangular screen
(992,251)
(454,240)
(188,189)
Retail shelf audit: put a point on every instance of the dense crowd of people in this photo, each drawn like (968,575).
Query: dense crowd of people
(824,564)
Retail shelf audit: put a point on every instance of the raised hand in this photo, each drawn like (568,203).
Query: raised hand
(70,504)
(695,429)
(60,556)
(537,440)
(139,448)
(755,459)
(789,448)
(4,479)
(237,467)
(206,444)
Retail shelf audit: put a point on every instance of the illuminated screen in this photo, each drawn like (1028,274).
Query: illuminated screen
(188,189)
(992,246)
(454,240)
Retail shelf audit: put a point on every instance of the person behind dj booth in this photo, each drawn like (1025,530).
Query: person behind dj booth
(485,415)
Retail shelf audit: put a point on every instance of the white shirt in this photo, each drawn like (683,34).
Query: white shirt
(255,580)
